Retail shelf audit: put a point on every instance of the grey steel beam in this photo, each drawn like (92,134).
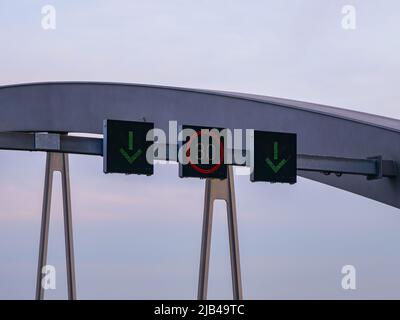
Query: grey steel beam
(373,167)
(321,130)
(25,141)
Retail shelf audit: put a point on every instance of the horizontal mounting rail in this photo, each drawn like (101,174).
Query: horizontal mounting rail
(373,167)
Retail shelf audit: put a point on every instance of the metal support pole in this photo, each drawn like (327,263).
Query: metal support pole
(56,162)
(223,190)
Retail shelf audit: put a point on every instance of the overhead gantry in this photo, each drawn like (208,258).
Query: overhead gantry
(362,151)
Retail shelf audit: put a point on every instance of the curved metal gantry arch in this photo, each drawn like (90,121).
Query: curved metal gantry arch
(321,130)
(82,106)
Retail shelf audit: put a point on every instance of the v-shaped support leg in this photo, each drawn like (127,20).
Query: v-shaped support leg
(56,162)
(223,190)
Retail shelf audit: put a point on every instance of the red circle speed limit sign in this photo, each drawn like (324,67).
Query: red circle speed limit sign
(208,142)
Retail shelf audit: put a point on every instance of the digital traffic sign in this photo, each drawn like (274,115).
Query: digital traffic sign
(275,157)
(125,147)
(203,150)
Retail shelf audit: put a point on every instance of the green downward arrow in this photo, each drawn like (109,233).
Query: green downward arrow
(277,167)
(131,159)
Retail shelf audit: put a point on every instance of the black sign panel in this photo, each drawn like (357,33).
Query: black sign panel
(275,157)
(207,163)
(125,147)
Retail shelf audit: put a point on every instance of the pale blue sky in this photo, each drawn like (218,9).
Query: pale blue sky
(139,237)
